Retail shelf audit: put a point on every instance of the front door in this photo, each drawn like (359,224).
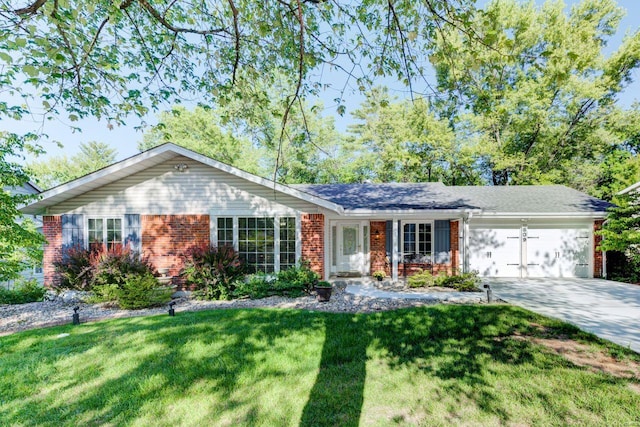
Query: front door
(350,257)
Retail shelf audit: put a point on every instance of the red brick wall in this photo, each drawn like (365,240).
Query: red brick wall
(166,238)
(597,255)
(455,246)
(313,241)
(378,256)
(52,230)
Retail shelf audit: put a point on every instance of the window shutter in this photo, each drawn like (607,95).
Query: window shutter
(72,231)
(442,243)
(131,232)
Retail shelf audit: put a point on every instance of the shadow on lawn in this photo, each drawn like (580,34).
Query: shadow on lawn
(170,359)
(208,356)
(446,342)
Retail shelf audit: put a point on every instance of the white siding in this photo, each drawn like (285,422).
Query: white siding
(200,189)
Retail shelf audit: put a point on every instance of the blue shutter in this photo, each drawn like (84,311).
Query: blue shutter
(387,241)
(442,243)
(72,231)
(132,232)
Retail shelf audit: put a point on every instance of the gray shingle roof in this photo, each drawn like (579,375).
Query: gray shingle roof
(538,199)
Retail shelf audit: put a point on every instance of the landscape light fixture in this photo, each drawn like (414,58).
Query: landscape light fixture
(172,312)
(489,293)
(76,316)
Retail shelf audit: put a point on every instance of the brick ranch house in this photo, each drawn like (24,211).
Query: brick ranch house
(167,199)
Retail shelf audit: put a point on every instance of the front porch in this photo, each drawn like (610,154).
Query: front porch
(400,248)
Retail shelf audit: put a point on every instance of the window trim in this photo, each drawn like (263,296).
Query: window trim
(104,218)
(417,223)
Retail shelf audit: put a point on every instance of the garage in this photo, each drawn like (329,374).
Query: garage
(530,250)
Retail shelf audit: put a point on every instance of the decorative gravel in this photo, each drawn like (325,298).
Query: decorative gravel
(20,317)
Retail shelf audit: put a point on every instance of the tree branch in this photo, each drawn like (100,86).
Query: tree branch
(158,17)
(236,31)
(32,9)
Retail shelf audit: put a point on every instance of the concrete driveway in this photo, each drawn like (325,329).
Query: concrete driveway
(610,310)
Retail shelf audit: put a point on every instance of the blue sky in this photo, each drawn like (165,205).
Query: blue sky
(125,139)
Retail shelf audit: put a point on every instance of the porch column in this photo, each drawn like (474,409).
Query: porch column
(396,253)
(465,242)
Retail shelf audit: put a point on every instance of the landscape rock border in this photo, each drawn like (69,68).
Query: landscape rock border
(58,310)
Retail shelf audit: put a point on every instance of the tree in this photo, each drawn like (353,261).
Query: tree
(405,141)
(20,243)
(534,87)
(621,236)
(60,169)
(200,130)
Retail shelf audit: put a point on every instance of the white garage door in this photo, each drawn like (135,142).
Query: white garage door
(558,252)
(547,251)
(495,252)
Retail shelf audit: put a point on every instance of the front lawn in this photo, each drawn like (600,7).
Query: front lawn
(436,365)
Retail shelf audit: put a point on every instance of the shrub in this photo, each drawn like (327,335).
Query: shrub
(82,269)
(212,271)
(141,291)
(300,277)
(75,269)
(292,282)
(466,282)
(117,265)
(421,279)
(23,292)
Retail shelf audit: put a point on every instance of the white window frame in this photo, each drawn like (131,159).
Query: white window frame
(104,218)
(213,232)
(417,223)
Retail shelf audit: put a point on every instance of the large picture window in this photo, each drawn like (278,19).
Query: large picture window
(256,238)
(416,242)
(264,244)
(105,232)
(287,242)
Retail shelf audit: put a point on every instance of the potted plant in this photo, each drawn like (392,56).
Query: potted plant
(379,275)
(323,291)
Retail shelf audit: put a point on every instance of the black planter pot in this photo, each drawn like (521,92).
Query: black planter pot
(323,293)
(379,279)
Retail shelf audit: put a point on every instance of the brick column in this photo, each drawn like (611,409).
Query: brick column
(166,238)
(52,230)
(313,241)
(377,237)
(455,247)
(597,254)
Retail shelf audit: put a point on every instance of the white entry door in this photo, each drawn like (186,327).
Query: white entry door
(350,256)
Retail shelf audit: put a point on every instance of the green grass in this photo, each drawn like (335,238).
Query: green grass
(431,366)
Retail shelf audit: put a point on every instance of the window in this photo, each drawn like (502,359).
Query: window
(287,242)
(225,232)
(416,243)
(264,244)
(256,239)
(105,231)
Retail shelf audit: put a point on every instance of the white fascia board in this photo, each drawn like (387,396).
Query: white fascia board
(556,215)
(408,213)
(170,147)
(629,188)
